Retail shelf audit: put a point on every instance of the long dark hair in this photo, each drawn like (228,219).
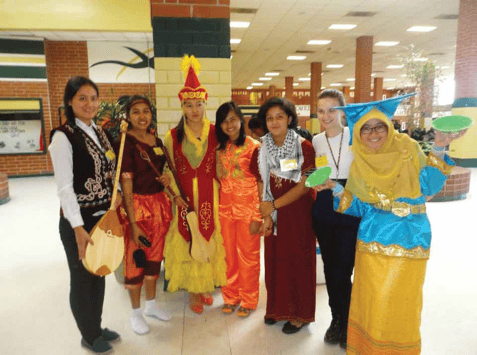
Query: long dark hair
(220,116)
(284,104)
(72,87)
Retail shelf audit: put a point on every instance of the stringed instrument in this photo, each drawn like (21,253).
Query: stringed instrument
(107,253)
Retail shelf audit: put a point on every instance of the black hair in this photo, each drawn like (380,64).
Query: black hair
(220,116)
(72,87)
(254,123)
(333,94)
(284,104)
(134,99)
(180,126)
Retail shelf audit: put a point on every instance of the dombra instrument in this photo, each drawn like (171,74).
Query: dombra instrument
(200,250)
(452,124)
(107,253)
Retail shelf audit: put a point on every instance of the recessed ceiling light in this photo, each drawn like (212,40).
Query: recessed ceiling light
(350,79)
(404,76)
(296,57)
(323,88)
(272,74)
(373,74)
(395,66)
(386,43)
(420,59)
(351,88)
(235,41)
(296,84)
(341,27)
(249,87)
(318,42)
(421,28)
(264,78)
(389,79)
(334,66)
(304,79)
(336,84)
(444,67)
(239,24)
(257,84)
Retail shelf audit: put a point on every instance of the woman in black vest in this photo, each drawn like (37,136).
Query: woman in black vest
(84,164)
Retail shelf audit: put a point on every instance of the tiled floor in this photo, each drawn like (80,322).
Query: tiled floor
(35,317)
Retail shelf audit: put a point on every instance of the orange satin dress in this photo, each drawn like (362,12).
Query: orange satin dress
(237,208)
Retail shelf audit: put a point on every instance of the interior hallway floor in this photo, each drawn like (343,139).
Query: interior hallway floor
(35,317)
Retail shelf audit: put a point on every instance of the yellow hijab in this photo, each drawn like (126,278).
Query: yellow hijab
(391,172)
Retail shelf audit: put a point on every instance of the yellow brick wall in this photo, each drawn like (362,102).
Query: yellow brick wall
(215,75)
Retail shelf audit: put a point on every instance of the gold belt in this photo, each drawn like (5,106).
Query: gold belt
(402,209)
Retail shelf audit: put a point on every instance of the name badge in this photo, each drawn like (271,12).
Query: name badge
(288,164)
(158,151)
(110,155)
(321,160)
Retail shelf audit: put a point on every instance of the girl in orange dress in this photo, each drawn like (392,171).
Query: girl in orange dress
(240,218)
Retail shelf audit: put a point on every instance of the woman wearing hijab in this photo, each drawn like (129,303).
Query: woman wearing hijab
(389,180)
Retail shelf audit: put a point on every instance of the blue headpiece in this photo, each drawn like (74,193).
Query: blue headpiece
(355,111)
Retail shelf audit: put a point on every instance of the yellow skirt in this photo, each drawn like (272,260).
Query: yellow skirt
(386,305)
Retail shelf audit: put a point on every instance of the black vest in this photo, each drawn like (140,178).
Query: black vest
(92,171)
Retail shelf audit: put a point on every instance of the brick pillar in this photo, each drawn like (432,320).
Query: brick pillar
(194,27)
(289,87)
(315,87)
(378,89)
(4,193)
(272,91)
(364,65)
(63,61)
(464,150)
(347,93)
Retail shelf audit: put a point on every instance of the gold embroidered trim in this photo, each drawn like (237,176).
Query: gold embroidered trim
(393,250)
(440,164)
(205,214)
(401,209)
(345,202)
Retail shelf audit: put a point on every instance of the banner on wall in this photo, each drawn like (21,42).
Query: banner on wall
(121,62)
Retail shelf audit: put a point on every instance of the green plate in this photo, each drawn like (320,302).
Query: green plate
(452,123)
(318,177)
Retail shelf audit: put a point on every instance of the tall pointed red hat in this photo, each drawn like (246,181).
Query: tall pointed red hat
(192,88)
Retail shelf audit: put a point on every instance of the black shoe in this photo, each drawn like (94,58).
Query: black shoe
(110,335)
(289,328)
(344,339)
(99,346)
(333,334)
(270,321)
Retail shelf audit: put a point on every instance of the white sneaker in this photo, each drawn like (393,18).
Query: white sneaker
(155,312)
(139,325)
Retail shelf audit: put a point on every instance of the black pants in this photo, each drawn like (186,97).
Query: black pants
(86,289)
(336,234)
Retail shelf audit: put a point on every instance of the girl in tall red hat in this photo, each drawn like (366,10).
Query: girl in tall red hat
(192,146)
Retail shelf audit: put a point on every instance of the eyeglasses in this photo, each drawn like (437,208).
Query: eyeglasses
(380,128)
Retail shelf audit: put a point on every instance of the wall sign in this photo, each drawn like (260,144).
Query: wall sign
(21,126)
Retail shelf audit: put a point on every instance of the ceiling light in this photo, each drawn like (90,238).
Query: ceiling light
(272,74)
(296,84)
(386,43)
(389,79)
(296,57)
(420,59)
(395,66)
(341,27)
(239,24)
(421,28)
(336,84)
(323,88)
(373,74)
(249,87)
(304,79)
(318,42)
(404,76)
(257,84)
(351,88)
(444,67)
(350,79)
(334,66)
(264,78)
(235,41)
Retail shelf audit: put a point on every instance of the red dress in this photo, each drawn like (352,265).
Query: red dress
(290,256)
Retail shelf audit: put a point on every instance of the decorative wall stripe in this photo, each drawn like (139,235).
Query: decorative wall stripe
(22,60)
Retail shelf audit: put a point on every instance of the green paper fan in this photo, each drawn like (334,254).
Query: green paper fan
(452,123)
(318,177)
